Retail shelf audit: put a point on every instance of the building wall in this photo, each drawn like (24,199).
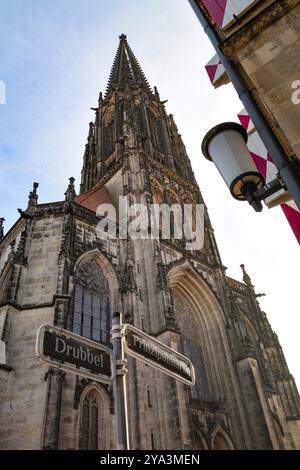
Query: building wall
(41,275)
(43,408)
(24,390)
(270,60)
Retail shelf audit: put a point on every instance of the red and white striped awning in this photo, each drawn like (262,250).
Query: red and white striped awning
(223,11)
(215,69)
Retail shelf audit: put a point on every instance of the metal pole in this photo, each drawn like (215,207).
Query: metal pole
(280,159)
(120,383)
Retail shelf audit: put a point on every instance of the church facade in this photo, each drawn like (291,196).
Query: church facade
(55,269)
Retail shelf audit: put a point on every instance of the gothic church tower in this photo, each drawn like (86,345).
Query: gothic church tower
(55,269)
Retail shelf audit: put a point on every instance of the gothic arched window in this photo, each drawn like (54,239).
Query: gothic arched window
(200,443)
(91,316)
(153,130)
(108,139)
(89,436)
(190,346)
(160,135)
(4,282)
(221,442)
(158,197)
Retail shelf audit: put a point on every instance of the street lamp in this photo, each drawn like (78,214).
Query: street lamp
(226,146)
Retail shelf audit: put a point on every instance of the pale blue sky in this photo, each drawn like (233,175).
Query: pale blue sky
(55,57)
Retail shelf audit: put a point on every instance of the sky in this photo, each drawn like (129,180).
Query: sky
(56,58)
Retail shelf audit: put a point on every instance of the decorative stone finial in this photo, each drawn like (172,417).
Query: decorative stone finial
(33,197)
(70,194)
(91,131)
(123,37)
(156,93)
(35,186)
(246,277)
(2,220)
(100,98)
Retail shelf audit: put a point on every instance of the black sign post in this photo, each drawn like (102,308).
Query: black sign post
(72,353)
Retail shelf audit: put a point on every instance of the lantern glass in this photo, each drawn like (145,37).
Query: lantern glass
(226,146)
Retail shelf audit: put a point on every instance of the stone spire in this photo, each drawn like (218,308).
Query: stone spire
(131,116)
(126,70)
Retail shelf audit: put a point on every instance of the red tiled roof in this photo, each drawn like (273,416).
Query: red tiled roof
(93,198)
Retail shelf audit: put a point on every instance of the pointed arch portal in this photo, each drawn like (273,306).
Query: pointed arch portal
(204,337)
(201,320)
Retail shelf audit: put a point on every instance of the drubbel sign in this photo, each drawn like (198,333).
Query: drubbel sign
(72,353)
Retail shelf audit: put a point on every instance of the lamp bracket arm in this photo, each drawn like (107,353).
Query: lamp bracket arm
(270,188)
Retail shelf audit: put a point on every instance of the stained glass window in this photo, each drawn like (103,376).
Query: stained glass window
(91,317)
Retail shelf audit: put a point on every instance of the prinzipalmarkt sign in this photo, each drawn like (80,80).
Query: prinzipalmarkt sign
(158,355)
(76,354)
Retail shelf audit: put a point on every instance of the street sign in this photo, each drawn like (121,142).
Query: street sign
(144,347)
(75,354)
